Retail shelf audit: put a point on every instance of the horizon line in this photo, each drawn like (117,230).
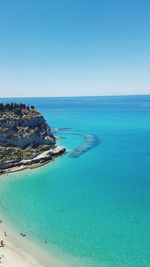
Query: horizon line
(73,96)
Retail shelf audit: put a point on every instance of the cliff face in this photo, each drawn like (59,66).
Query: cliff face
(26,140)
(28,130)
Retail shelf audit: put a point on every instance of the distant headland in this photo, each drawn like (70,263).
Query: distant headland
(26,140)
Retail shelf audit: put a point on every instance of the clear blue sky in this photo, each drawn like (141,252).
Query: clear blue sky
(74,47)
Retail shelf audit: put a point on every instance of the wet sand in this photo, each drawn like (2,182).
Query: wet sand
(18,251)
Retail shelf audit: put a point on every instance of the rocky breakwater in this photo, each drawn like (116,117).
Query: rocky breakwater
(26,140)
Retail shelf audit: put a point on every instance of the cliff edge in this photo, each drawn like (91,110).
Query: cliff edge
(25,137)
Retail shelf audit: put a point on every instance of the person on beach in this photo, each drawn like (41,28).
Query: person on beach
(2,243)
(22,234)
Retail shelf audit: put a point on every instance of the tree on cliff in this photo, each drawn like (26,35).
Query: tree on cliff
(15,107)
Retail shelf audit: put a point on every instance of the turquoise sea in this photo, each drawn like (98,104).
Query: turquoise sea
(95,207)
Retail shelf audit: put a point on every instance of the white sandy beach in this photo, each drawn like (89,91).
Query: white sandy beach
(20,252)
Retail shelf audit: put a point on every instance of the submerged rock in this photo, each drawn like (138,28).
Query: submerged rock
(90,141)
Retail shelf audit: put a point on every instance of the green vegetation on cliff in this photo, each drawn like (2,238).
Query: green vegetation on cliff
(24,134)
(14,107)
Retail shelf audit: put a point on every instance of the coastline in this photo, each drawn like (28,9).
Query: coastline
(20,251)
(40,160)
(26,140)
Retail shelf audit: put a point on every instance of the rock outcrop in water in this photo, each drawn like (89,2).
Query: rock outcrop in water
(25,137)
(90,141)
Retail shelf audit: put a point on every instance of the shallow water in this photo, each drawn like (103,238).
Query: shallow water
(94,207)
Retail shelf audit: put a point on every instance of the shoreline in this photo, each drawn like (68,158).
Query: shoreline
(19,251)
(40,160)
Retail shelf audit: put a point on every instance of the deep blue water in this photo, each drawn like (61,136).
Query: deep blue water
(95,207)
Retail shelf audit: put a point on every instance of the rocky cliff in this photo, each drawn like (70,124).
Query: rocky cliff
(29,129)
(25,138)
